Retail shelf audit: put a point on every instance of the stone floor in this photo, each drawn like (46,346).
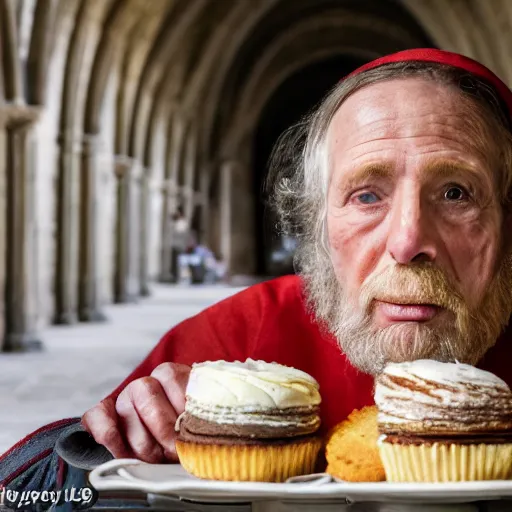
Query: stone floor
(82,364)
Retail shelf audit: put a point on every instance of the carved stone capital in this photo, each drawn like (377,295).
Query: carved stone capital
(122,165)
(15,115)
(70,142)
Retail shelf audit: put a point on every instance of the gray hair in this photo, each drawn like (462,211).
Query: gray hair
(299,170)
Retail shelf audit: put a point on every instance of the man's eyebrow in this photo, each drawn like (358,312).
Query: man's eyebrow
(366,172)
(439,168)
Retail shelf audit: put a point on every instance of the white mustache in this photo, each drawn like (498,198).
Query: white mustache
(412,284)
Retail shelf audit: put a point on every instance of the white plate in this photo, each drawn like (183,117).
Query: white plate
(173,480)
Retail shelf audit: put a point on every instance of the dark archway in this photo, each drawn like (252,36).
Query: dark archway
(296,96)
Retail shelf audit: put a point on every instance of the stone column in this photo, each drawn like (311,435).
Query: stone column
(197,212)
(68,188)
(144,233)
(190,170)
(170,193)
(243,227)
(20,275)
(128,172)
(89,307)
(204,229)
(226,177)
(166,253)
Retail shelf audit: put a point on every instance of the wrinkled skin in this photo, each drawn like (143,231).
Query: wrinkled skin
(420,209)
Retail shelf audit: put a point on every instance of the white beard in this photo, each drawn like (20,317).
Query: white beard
(369,348)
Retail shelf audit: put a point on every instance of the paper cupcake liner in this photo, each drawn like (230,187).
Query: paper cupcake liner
(255,463)
(440,462)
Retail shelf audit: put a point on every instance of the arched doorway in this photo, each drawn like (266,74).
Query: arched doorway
(294,98)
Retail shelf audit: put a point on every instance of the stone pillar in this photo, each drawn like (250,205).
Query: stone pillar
(126,286)
(197,216)
(243,227)
(226,177)
(89,307)
(144,233)
(204,185)
(170,193)
(20,275)
(166,252)
(190,170)
(67,229)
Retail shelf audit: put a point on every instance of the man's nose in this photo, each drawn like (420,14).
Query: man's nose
(410,232)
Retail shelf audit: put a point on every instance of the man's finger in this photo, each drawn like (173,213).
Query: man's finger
(174,379)
(101,423)
(156,412)
(140,439)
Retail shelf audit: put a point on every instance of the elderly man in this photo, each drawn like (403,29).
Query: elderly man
(401,202)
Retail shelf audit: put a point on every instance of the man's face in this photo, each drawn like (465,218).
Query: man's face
(414,226)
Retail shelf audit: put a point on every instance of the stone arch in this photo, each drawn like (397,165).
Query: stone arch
(121,19)
(205,87)
(222,48)
(39,50)
(164,70)
(12,69)
(364,37)
(138,45)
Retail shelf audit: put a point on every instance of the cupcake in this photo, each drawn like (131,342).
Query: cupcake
(443,422)
(250,421)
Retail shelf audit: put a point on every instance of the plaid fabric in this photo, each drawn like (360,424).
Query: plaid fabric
(32,463)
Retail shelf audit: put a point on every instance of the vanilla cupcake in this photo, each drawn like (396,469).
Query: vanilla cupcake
(443,422)
(251,421)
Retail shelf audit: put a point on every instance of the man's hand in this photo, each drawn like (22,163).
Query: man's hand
(140,423)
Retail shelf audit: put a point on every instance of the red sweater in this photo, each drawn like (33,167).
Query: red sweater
(269,321)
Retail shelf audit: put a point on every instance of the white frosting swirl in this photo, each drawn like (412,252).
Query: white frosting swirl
(253,393)
(428,395)
(251,386)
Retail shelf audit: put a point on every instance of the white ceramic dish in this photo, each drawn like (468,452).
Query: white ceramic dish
(172,480)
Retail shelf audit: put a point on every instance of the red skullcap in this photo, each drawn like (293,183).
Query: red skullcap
(448,58)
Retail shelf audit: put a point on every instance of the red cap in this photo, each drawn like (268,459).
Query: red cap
(448,58)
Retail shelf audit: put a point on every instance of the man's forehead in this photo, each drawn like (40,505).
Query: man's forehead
(409,116)
(383,100)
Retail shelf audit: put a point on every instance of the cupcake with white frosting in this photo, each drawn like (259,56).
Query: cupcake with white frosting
(251,421)
(443,422)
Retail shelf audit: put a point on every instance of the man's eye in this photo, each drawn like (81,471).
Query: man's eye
(367,198)
(455,193)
